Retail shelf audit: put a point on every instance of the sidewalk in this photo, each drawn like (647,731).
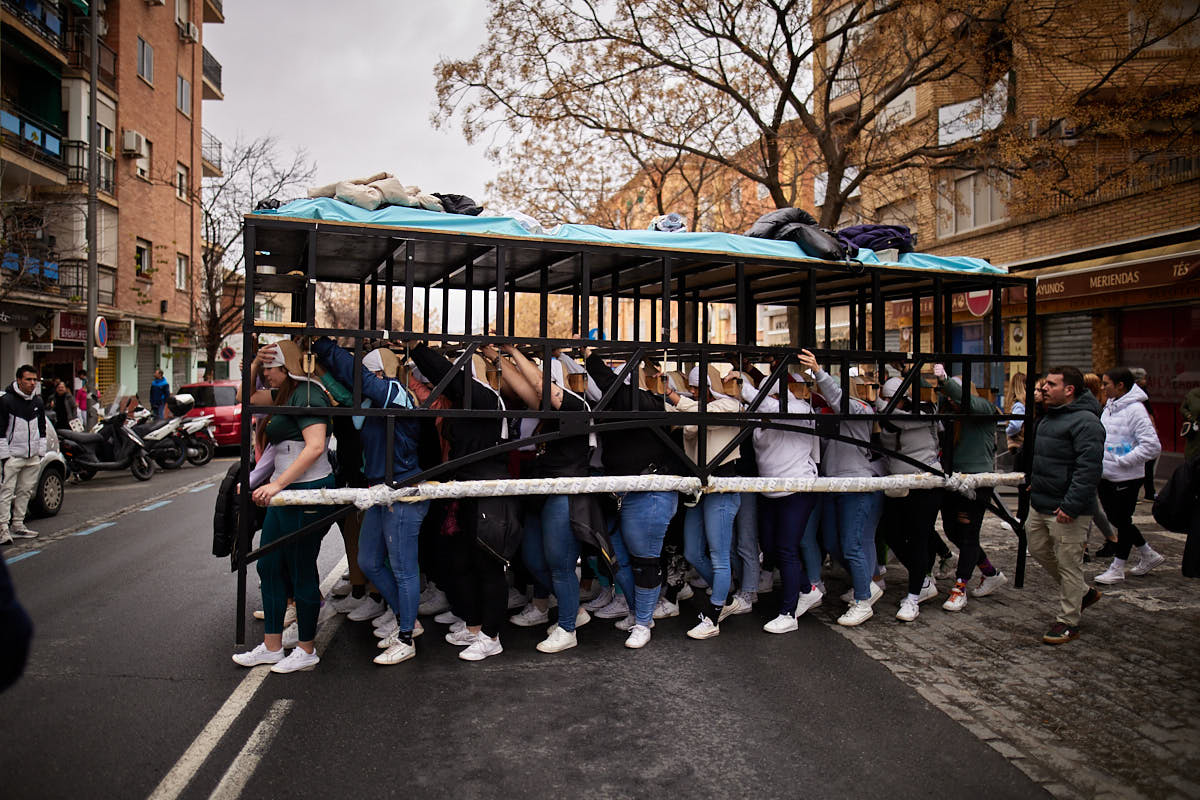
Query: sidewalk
(1115,713)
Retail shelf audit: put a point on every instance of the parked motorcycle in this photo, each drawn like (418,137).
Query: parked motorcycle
(114,447)
(198,439)
(164,438)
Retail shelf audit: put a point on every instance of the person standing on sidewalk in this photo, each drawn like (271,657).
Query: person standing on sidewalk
(160,390)
(1068,450)
(22,445)
(1130,441)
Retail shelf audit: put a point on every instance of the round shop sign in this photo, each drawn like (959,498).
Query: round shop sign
(979,303)
(101,332)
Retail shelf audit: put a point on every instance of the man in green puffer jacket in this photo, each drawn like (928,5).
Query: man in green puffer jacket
(1067,455)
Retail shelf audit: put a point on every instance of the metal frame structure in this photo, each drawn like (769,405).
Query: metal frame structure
(390,263)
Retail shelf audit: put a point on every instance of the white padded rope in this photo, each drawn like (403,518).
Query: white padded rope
(434,490)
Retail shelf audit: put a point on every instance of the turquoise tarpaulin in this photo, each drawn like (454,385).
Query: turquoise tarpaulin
(734,244)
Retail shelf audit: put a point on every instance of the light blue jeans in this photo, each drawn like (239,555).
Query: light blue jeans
(745,527)
(848,522)
(387,554)
(550,552)
(640,528)
(707,539)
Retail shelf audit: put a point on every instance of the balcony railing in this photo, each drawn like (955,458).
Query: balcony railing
(77,166)
(210,149)
(212,70)
(214,11)
(34,138)
(79,57)
(43,16)
(73,281)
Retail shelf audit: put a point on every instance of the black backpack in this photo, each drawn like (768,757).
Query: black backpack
(227,513)
(1179,500)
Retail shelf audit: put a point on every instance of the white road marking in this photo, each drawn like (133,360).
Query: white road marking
(174,782)
(240,771)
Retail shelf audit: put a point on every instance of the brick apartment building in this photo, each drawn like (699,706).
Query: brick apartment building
(154,73)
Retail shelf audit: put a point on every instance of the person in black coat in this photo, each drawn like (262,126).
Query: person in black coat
(16,632)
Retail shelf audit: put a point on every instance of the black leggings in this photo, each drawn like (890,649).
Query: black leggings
(1119,499)
(908,523)
(482,585)
(962,518)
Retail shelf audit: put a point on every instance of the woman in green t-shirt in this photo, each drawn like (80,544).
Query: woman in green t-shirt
(300,463)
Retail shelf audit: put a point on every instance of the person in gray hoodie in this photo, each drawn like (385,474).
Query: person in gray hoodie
(1130,441)
(1067,451)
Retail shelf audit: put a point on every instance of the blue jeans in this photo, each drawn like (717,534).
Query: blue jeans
(745,526)
(707,539)
(387,554)
(850,519)
(640,528)
(784,520)
(550,552)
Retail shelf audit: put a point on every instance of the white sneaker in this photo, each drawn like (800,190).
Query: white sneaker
(368,608)
(557,640)
(529,617)
(740,604)
(447,618)
(686,592)
(639,637)
(398,651)
(259,655)
(19,531)
(928,591)
(784,623)
(876,593)
(809,600)
(515,600)
(582,617)
(259,614)
(704,630)
(460,625)
(1149,561)
(435,603)
(5,536)
(341,588)
(387,629)
(617,609)
(291,636)
(628,623)
(988,584)
(957,600)
(909,610)
(859,612)
(344,605)
(386,618)
(483,647)
(461,637)
(1114,574)
(766,581)
(289,616)
(664,608)
(297,661)
(602,598)
(418,629)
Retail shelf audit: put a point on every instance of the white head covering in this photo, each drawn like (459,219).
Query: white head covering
(693,379)
(276,360)
(889,388)
(373,361)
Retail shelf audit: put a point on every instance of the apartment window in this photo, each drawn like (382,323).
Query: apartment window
(141,258)
(143,162)
(845,79)
(145,60)
(183,11)
(780,325)
(268,312)
(181,272)
(1169,21)
(969,202)
(735,198)
(182,184)
(183,94)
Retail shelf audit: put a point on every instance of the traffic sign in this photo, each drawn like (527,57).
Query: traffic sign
(101,332)
(979,303)
(227,353)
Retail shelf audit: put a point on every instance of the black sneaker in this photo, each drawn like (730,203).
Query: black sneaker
(1091,598)
(1060,633)
(1109,549)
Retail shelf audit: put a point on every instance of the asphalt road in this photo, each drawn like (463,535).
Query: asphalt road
(130,669)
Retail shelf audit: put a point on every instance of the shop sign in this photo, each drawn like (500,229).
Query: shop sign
(150,337)
(71,327)
(41,347)
(1117,279)
(120,333)
(181,340)
(21,316)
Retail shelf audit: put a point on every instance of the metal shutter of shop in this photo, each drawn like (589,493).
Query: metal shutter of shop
(106,374)
(1066,341)
(146,364)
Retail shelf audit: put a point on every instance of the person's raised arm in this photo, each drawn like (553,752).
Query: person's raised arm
(314,448)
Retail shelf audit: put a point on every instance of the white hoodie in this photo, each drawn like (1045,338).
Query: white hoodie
(1130,439)
(782,453)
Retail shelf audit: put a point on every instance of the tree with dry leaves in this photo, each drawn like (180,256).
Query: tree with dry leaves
(852,92)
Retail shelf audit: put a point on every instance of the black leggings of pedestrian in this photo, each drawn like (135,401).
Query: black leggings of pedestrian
(435,552)
(482,585)
(907,524)
(1151,466)
(1119,499)
(962,519)
(671,560)
(938,546)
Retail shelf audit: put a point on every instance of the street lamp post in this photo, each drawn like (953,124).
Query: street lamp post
(93,289)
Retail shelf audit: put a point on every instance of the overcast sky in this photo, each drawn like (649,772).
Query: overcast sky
(352,82)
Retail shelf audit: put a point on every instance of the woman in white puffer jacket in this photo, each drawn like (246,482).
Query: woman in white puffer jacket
(1130,441)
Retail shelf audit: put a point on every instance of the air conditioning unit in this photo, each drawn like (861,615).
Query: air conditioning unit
(188,31)
(132,143)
